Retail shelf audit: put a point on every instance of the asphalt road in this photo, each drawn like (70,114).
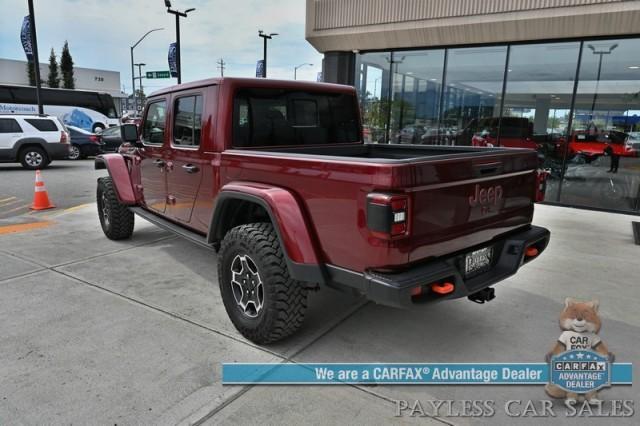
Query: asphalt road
(69,184)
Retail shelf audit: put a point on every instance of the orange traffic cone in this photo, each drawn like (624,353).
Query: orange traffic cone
(40,196)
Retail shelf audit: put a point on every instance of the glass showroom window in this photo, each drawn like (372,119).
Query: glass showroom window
(415,96)
(372,83)
(537,103)
(602,167)
(473,88)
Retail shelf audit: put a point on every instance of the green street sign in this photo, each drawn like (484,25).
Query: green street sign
(158,74)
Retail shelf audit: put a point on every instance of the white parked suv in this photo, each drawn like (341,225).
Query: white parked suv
(32,140)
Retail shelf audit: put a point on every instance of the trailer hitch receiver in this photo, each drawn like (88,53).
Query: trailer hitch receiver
(484,295)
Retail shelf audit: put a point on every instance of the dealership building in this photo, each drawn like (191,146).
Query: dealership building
(559,76)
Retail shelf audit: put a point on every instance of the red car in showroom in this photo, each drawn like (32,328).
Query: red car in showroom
(592,145)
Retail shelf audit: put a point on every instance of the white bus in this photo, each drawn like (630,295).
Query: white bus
(92,111)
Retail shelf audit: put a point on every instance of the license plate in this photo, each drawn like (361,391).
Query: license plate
(478,261)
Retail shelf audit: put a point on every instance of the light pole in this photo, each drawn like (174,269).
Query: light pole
(295,69)
(178,14)
(265,37)
(601,53)
(140,65)
(133,77)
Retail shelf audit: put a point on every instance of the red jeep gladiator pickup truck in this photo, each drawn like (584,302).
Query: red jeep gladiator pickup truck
(274,175)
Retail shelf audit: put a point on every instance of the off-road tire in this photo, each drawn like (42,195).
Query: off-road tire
(115,218)
(285,299)
(33,151)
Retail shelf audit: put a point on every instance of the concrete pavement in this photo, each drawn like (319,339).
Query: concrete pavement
(96,331)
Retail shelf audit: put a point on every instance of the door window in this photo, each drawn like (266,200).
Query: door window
(154,123)
(187,122)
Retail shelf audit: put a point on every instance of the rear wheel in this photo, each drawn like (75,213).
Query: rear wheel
(116,219)
(261,299)
(33,157)
(74,152)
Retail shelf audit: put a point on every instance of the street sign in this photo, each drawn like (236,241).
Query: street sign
(158,74)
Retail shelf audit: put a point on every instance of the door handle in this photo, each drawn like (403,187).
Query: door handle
(158,163)
(190,168)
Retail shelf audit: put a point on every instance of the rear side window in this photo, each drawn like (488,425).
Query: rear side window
(42,124)
(187,124)
(276,117)
(154,123)
(9,125)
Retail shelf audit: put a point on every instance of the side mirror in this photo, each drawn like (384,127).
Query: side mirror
(129,133)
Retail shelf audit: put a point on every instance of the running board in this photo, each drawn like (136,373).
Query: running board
(172,227)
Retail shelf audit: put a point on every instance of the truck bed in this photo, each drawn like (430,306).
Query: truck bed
(441,182)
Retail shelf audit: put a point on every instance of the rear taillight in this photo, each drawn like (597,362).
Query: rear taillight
(64,138)
(541,184)
(95,139)
(387,215)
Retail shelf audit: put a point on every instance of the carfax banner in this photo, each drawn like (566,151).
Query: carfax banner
(578,376)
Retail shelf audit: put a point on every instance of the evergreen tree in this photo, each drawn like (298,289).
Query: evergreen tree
(66,67)
(31,73)
(54,79)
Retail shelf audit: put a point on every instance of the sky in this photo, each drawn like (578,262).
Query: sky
(100,33)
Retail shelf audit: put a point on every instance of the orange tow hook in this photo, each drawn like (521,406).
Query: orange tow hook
(531,252)
(442,288)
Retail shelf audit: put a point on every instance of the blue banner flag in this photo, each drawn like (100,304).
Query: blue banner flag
(173,67)
(25,38)
(401,374)
(260,68)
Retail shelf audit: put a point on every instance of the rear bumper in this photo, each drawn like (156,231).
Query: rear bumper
(57,151)
(395,289)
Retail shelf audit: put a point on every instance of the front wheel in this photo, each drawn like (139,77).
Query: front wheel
(116,219)
(264,303)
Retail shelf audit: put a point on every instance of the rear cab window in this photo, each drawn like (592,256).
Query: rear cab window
(9,125)
(43,124)
(281,117)
(154,123)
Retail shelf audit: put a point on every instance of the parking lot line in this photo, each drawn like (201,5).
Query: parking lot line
(56,213)
(22,207)
(78,207)
(22,227)
(8,201)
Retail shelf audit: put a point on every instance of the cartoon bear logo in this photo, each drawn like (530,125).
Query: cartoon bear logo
(581,324)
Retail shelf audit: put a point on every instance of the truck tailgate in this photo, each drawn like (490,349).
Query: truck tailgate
(459,203)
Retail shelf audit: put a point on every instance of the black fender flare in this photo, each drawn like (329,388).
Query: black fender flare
(307,272)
